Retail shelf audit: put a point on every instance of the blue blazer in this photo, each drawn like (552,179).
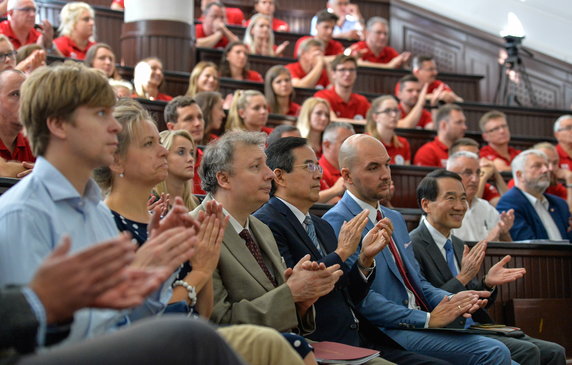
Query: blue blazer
(527,224)
(334,318)
(386,304)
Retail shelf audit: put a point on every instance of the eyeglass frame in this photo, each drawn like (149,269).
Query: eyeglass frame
(497,128)
(307,165)
(12,54)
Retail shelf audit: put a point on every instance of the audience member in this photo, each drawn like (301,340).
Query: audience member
(234,63)
(9,57)
(400,296)
(72,134)
(311,70)
(210,103)
(204,77)
(268,7)
(122,88)
(562,129)
(259,37)
(118,5)
(451,125)
(347,106)
(445,263)
(331,184)
(486,191)
(234,16)
(350,23)
(313,120)
(100,56)
(412,104)
(496,133)
(77,27)
(29,57)
(7,54)
(537,215)
(248,112)
(374,51)
(325,24)
(212,32)
(20,27)
(279,91)
(557,174)
(283,130)
(382,119)
(481,220)
(148,78)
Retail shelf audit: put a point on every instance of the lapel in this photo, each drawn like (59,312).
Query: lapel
(435,254)
(328,241)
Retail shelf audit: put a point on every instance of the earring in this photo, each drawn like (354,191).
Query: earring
(121,175)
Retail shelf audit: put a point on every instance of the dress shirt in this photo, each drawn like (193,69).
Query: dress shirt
(541,207)
(478,221)
(34,216)
(440,241)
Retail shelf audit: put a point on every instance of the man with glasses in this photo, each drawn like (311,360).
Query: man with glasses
(496,133)
(563,134)
(20,27)
(346,105)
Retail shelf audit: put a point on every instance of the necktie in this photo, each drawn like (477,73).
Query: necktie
(311,230)
(450,255)
(401,267)
(255,251)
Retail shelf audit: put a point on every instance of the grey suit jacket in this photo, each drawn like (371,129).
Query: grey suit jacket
(19,325)
(435,269)
(243,294)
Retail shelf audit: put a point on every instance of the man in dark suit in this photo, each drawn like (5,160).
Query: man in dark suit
(400,299)
(296,188)
(537,215)
(450,266)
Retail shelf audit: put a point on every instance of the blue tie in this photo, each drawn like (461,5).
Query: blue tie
(451,263)
(311,230)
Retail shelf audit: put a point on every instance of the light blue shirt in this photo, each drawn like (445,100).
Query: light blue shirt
(34,216)
(350,23)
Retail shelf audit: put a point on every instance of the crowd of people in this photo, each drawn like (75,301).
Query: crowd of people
(123,243)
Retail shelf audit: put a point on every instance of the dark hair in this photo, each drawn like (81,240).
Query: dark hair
(278,131)
(428,188)
(171,114)
(206,101)
(465,141)
(445,111)
(418,61)
(342,58)
(326,16)
(279,155)
(225,67)
(209,6)
(407,78)
(272,73)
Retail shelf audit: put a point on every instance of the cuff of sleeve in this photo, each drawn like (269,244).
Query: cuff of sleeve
(40,313)
(427,320)
(371,269)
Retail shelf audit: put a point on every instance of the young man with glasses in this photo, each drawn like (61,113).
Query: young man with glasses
(496,133)
(20,26)
(346,105)
(562,133)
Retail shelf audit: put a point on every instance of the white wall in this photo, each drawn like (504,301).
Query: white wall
(180,10)
(547,23)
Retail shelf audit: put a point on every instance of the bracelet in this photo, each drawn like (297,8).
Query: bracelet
(190,290)
(364,268)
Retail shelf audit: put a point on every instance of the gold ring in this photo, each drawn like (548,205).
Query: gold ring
(459,307)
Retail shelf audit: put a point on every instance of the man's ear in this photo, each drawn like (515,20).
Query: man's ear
(425,205)
(57,127)
(170,126)
(279,177)
(346,175)
(222,178)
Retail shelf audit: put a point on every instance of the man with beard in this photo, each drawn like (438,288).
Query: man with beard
(537,215)
(557,173)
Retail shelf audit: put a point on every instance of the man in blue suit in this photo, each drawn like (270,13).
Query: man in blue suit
(295,189)
(401,302)
(536,215)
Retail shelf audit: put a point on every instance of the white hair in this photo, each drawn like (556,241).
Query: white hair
(452,160)
(12,4)
(520,160)
(560,120)
(374,20)
(70,14)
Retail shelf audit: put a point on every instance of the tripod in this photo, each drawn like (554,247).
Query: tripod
(504,95)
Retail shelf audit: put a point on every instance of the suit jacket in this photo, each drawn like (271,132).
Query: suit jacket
(19,324)
(334,318)
(386,304)
(435,269)
(243,294)
(527,224)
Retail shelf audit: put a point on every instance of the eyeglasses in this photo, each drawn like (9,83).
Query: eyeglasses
(11,54)
(29,9)
(467,173)
(389,111)
(567,129)
(496,129)
(342,70)
(311,167)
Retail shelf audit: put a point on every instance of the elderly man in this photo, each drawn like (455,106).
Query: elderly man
(449,266)
(331,184)
(213,33)
(557,174)
(496,133)
(374,51)
(451,125)
(350,21)
(400,298)
(311,70)
(20,26)
(537,215)
(481,221)
(412,104)
(563,134)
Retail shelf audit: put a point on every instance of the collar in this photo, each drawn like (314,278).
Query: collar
(440,144)
(543,201)
(233,222)
(363,205)
(437,236)
(297,212)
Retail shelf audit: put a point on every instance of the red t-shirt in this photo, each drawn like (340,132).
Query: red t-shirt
(277,25)
(356,107)
(298,72)
(491,154)
(6,29)
(386,54)
(433,153)
(196,178)
(200,33)
(161,97)
(234,16)
(333,48)
(425,118)
(120,3)
(254,76)
(68,48)
(330,174)
(267,130)
(294,109)
(22,151)
(490,192)
(401,154)
(432,86)
(565,160)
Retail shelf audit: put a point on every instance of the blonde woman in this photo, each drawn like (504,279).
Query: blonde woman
(148,78)
(77,27)
(313,119)
(382,120)
(204,77)
(248,112)
(259,37)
